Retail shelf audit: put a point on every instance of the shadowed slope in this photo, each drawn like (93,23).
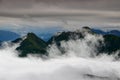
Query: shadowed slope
(32,45)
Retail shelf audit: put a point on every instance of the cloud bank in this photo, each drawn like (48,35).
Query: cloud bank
(76,65)
(89,12)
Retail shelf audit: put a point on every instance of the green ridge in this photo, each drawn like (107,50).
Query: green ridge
(32,45)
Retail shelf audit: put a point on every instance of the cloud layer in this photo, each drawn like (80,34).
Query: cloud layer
(68,67)
(84,12)
(55,7)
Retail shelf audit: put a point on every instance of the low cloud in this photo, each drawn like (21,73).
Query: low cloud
(58,68)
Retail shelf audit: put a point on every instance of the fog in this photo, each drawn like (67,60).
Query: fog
(80,62)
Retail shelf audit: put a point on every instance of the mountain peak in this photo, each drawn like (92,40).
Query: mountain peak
(30,34)
(32,45)
(86,27)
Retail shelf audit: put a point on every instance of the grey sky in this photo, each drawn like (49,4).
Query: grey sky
(40,7)
(84,11)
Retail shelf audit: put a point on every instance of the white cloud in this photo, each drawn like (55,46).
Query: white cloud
(62,68)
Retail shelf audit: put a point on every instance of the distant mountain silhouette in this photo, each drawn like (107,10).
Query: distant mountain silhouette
(99,31)
(8,35)
(45,36)
(113,32)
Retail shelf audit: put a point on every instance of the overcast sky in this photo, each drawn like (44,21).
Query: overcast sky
(84,11)
(56,7)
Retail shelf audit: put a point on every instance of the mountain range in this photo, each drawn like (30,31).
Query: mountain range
(114,32)
(32,44)
(9,35)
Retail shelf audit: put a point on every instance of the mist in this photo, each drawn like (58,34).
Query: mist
(80,62)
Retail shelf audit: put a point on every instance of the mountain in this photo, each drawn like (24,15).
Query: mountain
(69,35)
(111,42)
(114,32)
(8,35)
(31,45)
(35,45)
(65,36)
(99,31)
